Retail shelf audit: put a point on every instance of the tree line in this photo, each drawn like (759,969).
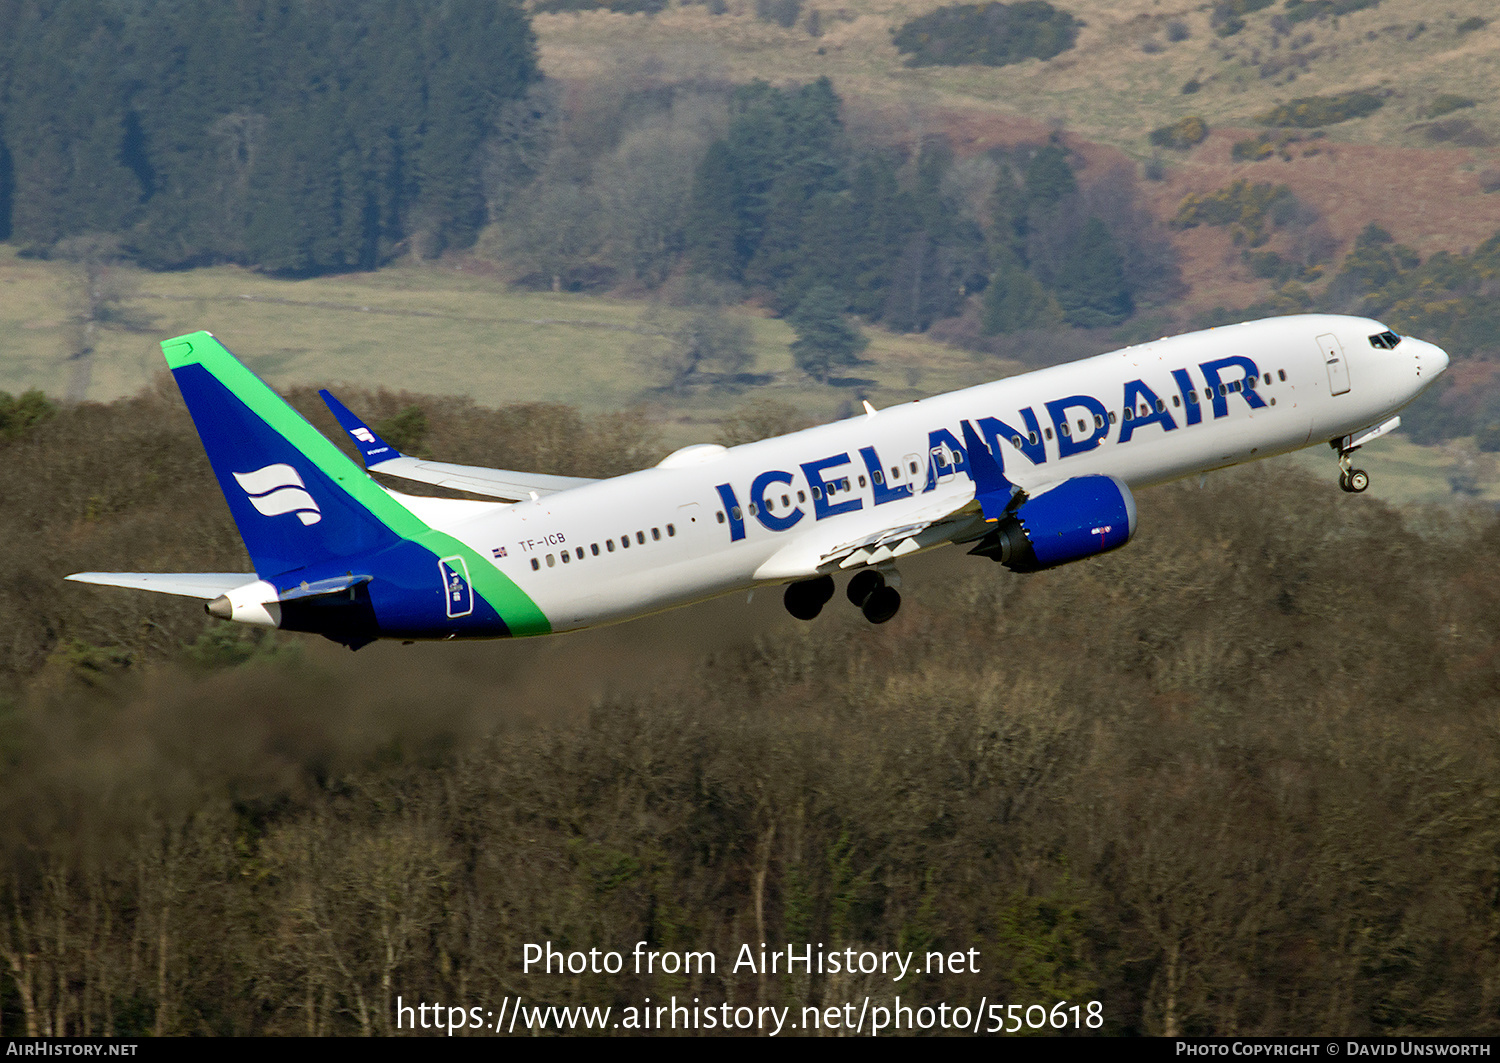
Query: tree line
(297,138)
(1241,813)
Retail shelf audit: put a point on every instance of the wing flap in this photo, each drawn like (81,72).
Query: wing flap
(201,585)
(938,523)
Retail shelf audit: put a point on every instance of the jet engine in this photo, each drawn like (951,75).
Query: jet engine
(1077,518)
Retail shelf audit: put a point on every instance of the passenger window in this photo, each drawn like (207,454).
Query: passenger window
(1112,418)
(1160,405)
(861,481)
(846,483)
(640,537)
(1047,432)
(1098,421)
(1145,410)
(735,513)
(878,476)
(895,472)
(817,492)
(1129,414)
(720,515)
(566,557)
(595,548)
(785,501)
(801,497)
(609,544)
(1268,378)
(671,531)
(625,541)
(913,467)
(1083,426)
(1234,385)
(535,564)
(579,552)
(1192,397)
(1015,441)
(1176,401)
(1031,436)
(1281,375)
(1065,430)
(656,535)
(551,561)
(753,511)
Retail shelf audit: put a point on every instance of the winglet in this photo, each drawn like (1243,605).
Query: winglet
(371,447)
(992,490)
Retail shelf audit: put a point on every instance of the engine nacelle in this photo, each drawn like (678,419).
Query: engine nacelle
(1078,518)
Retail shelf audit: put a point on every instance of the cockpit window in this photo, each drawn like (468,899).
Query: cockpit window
(1386,340)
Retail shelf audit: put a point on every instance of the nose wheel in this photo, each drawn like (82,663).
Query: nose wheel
(1352,480)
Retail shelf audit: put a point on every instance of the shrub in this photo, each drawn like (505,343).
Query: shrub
(1447,103)
(1253,149)
(1248,208)
(1309,111)
(992,34)
(1183,134)
(1472,23)
(1304,10)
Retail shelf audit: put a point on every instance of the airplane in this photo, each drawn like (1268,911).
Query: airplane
(1031,471)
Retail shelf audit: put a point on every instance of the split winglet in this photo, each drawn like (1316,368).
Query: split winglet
(371,447)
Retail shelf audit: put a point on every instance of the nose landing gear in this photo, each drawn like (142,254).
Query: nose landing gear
(1351,480)
(876,598)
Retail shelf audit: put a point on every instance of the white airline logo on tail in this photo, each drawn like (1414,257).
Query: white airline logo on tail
(278,489)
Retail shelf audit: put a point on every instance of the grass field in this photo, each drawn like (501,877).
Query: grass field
(435,329)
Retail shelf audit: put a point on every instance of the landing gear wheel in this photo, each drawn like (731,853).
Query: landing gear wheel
(865,583)
(881,605)
(805,599)
(1352,480)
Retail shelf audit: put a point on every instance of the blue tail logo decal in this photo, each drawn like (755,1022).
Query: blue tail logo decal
(277,489)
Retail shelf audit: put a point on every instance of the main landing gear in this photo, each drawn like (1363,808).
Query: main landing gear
(872,590)
(805,599)
(876,598)
(1350,479)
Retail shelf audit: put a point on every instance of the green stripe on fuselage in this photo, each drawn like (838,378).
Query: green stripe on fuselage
(521,615)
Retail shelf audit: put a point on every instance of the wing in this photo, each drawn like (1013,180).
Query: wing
(204,585)
(946,519)
(380,456)
(963,511)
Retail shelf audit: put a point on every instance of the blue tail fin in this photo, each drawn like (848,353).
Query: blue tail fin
(298,500)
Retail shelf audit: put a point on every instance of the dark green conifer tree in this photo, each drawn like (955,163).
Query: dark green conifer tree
(825,339)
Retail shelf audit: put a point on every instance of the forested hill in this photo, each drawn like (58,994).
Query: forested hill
(298,137)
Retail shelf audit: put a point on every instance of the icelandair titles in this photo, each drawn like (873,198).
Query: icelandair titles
(827,478)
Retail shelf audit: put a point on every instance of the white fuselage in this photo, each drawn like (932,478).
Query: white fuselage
(692,534)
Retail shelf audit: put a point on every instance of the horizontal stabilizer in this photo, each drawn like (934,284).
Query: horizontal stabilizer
(381,457)
(202,585)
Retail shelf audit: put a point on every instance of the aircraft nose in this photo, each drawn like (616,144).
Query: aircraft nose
(1432,358)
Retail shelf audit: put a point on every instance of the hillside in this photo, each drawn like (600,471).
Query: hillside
(1425,181)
